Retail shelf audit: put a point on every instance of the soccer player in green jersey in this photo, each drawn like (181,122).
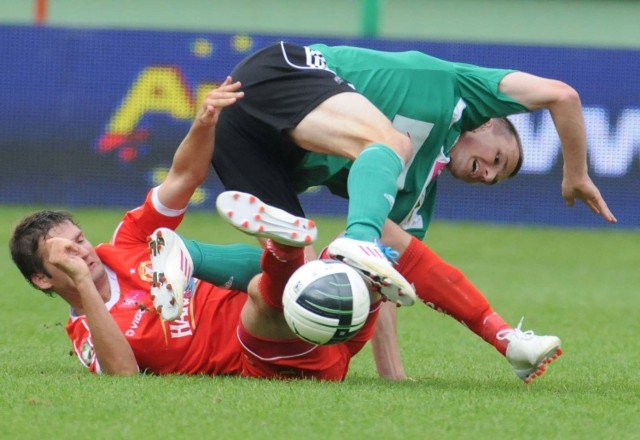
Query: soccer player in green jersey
(378,128)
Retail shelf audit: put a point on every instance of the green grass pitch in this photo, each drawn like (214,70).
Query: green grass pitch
(582,285)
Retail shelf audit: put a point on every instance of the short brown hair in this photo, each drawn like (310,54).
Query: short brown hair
(26,239)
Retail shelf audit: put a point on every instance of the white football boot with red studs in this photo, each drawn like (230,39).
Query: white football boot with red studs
(250,215)
(172,270)
(528,353)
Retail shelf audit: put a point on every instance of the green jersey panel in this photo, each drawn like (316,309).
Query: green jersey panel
(431,100)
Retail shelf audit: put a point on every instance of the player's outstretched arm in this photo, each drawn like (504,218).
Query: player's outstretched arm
(563,102)
(384,345)
(192,160)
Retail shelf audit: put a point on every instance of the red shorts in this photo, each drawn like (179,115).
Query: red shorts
(298,359)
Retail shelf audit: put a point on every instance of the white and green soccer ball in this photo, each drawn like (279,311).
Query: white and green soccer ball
(326,302)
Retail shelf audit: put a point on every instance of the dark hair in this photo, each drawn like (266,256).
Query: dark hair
(26,238)
(507,127)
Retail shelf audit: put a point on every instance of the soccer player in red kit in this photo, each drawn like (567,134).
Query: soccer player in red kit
(121,292)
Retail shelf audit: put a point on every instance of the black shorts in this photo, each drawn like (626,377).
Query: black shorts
(254,152)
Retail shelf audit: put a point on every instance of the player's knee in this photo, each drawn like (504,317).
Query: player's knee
(260,300)
(403,146)
(398,142)
(253,290)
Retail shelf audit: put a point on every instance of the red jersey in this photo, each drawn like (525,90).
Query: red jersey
(206,338)
(202,340)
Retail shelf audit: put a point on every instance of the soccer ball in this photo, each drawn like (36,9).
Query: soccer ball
(325,302)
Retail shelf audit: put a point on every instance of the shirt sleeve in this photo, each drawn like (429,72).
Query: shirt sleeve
(137,224)
(479,88)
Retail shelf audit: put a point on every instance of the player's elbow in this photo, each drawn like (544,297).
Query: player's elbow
(121,370)
(565,94)
(189,180)
(119,364)
(197,177)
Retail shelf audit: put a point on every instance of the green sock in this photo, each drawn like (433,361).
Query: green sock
(231,266)
(372,187)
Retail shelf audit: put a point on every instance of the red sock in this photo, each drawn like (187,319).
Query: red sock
(446,289)
(278,263)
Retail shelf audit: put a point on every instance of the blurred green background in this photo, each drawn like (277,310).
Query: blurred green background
(593,23)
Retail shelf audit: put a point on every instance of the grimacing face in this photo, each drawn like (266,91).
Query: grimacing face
(59,281)
(484,156)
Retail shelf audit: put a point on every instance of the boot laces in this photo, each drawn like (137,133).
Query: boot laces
(390,253)
(515,333)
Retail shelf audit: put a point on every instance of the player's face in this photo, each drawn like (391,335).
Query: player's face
(60,281)
(483,156)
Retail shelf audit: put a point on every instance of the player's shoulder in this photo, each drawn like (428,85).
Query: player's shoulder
(494,74)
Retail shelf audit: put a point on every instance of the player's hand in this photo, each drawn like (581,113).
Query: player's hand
(66,256)
(585,190)
(223,96)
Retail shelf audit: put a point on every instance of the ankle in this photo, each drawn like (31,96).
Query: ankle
(282,252)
